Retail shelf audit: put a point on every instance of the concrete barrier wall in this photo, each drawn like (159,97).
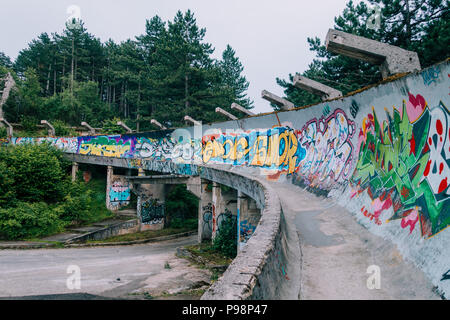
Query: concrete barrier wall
(383,153)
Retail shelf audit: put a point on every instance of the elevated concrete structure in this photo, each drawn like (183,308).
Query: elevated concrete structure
(391,59)
(90,129)
(194,122)
(158,124)
(240,108)
(226,114)
(8,86)
(377,162)
(9,127)
(51,129)
(316,88)
(273,98)
(123,125)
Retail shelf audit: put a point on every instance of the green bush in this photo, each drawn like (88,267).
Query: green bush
(28,220)
(38,198)
(226,239)
(77,204)
(38,172)
(62,129)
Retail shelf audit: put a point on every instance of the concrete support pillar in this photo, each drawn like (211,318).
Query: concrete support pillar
(9,128)
(317,88)
(123,125)
(90,129)
(151,206)
(194,122)
(226,114)
(156,123)
(248,218)
(205,212)
(391,59)
(240,108)
(218,207)
(282,103)
(74,170)
(109,177)
(51,129)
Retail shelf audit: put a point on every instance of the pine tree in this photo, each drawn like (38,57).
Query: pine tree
(416,25)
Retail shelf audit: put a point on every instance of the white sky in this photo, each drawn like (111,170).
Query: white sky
(269,36)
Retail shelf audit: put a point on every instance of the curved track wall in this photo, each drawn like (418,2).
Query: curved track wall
(384,153)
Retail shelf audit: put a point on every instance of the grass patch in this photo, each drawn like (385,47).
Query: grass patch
(208,254)
(150,234)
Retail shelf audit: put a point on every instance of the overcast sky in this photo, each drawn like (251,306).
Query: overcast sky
(269,36)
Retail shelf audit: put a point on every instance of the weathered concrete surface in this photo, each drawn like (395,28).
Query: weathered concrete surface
(317,88)
(273,98)
(392,59)
(336,252)
(139,267)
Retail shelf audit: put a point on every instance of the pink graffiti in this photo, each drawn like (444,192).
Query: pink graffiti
(415,107)
(410,219)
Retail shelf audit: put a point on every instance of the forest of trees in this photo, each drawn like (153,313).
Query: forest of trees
(165,73)
(422,26)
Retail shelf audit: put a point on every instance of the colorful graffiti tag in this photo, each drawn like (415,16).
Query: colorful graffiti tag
(152,212)
(328,149)
(69,145)
(404,165)
(275,148)
(119,146)
(246,229)
(119,193)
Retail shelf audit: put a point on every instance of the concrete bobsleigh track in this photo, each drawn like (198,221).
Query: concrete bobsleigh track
(382,154)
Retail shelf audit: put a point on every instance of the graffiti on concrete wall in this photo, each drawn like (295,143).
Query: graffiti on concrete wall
(430,75)
(328,146)
(404,163)
(207,221)
(119,146)
(152,212)
(158,149)
(275,149)
(119,193)
(69,145)
(246,229)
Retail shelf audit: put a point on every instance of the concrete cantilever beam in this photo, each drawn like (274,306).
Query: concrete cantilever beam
(225,113)
(194,122)
(391,59)
(9,127)
(156,123)
(240,108)
(91,130)
(317,88)
(51,129)
(282,103)
(123,125)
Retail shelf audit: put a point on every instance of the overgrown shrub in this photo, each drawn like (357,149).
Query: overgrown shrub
(77,204)
(62,129)
(3,133)
(28,220)
(37,197)
(38,172)
(226,239)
